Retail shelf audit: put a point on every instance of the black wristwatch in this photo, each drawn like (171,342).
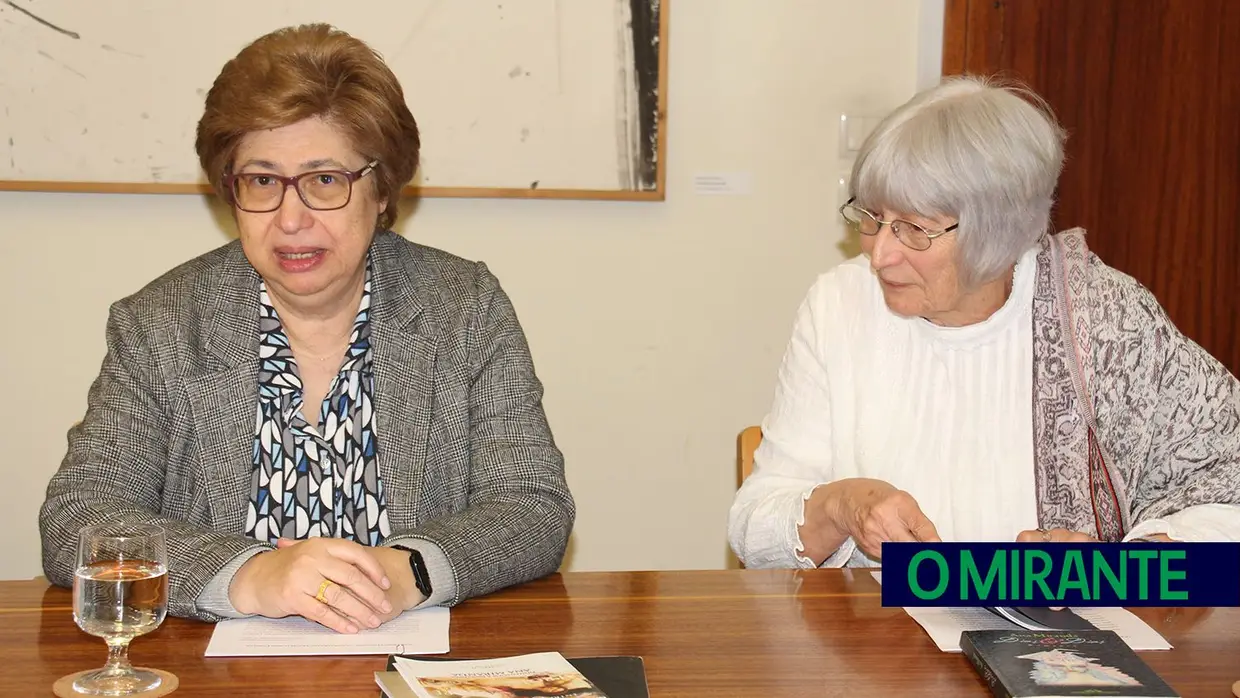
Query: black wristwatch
(421,577)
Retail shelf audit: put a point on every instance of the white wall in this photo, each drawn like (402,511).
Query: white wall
(656,327)
(556,123)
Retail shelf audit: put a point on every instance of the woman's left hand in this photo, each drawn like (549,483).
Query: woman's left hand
(403,594)
(1054,535)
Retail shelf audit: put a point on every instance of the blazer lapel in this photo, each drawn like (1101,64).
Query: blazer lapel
(223,396)
(404,366)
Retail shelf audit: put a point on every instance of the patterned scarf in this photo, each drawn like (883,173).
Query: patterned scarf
(1132,421)
(1077,488)
(308,483)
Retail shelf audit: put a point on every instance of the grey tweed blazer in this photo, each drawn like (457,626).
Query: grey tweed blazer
(464,449)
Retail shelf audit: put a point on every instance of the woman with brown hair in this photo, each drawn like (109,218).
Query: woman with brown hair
(328,420)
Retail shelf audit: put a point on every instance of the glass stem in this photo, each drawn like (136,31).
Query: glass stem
(118,658)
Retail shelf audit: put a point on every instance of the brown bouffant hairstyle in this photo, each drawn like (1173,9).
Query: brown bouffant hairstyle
(308,71)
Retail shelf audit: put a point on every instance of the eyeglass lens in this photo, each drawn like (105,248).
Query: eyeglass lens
(863,222)
(260,192)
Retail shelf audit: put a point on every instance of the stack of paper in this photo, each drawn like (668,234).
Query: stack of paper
(413,632)
(944,625)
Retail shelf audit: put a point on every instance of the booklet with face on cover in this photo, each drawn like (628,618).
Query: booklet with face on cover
(540,675)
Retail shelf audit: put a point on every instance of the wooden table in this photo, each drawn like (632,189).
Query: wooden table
(714,633)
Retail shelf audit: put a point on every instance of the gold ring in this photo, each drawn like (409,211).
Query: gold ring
(322,588)
(1046,535)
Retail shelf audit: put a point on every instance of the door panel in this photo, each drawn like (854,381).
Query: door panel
(1149,91)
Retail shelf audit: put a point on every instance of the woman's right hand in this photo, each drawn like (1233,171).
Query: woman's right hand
(875,512)
(871,512)
(285,582)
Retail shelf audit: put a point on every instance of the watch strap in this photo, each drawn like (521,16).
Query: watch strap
(421,577)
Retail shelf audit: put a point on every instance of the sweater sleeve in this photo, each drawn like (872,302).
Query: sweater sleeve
(1201,523)
(795,455)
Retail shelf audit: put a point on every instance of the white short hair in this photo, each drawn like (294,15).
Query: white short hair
(985,153)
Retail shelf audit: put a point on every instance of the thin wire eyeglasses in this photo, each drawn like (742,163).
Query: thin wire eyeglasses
(910,234)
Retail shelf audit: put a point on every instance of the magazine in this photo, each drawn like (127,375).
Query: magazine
(540,675)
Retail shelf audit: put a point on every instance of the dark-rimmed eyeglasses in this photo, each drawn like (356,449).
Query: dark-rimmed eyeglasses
(321,190)
(910,234)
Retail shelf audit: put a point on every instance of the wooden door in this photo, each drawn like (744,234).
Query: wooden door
(1149,91)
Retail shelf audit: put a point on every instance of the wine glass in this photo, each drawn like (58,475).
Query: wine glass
(120,591)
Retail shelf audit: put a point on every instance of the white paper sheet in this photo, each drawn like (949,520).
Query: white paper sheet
(413,632)
(944,625)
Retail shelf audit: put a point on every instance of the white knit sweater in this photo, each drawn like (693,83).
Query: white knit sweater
(944,413)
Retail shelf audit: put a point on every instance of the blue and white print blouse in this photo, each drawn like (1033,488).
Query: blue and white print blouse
(311,483)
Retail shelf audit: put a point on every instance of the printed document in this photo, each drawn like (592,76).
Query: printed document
(423,631)
(944,624)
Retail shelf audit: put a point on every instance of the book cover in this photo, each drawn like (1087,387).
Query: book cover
(392,685)
(527,676)
(1060,664)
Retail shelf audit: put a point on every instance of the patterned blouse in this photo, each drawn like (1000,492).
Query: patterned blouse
(308,483)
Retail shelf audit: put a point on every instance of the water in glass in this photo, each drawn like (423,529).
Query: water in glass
(120,591)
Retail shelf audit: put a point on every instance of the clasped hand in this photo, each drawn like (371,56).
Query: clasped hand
(360,587)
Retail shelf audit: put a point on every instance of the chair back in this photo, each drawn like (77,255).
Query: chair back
(746,443)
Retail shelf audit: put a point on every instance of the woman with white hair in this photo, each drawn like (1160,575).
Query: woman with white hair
(971,377)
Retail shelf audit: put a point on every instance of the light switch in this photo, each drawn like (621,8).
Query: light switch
(854,128)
